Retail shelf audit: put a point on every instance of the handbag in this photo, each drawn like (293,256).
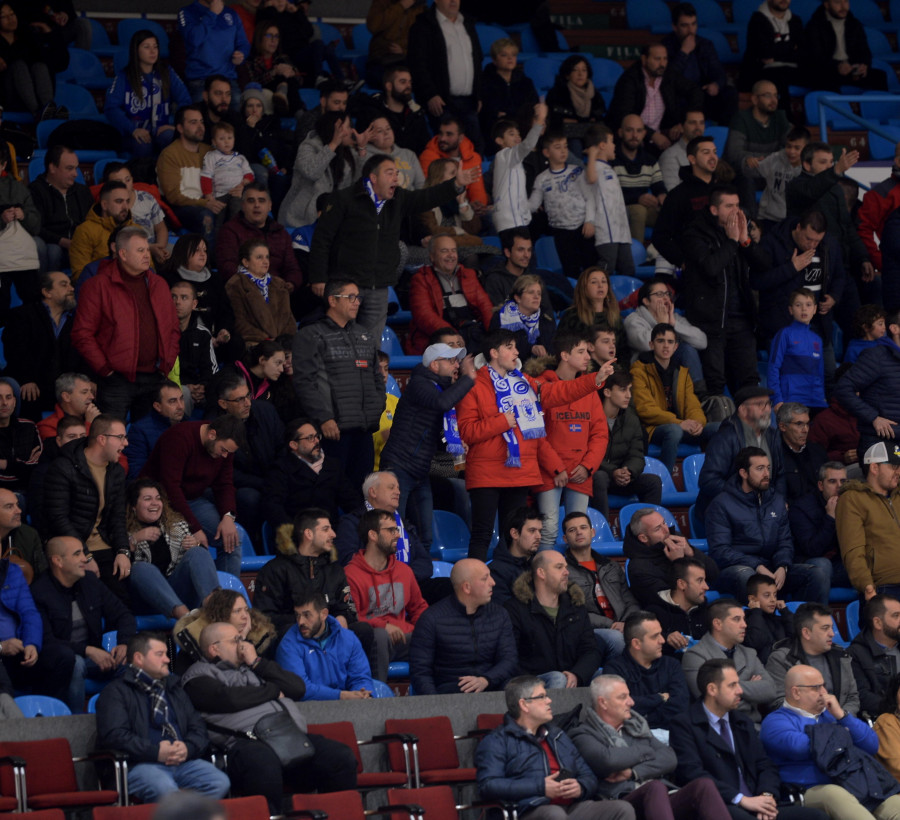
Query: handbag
(280,733)
(13,555)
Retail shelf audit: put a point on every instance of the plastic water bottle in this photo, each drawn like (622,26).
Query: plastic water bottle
(268,160)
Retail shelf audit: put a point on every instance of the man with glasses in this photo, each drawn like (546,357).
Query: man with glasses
(802,458)
(338,381)
(867,524)
(800,735)
(385,591)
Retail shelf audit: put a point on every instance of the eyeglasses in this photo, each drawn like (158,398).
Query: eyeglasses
(544,696)
(311,437)
(119,436)
(353,297)
(240,399)
(235,639)
(659,294)
(819,687)
(391,530)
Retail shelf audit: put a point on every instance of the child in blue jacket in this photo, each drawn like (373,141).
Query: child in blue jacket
(796,368)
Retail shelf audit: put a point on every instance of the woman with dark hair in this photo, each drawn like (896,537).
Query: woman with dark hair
(170,571)
(272,68)
(595,305)
(573,101)
(142,100)
(27,65)
(261,367)
(261,302)
(188,263)
(327,160)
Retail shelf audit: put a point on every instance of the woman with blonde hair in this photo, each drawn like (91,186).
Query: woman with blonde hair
(595,305)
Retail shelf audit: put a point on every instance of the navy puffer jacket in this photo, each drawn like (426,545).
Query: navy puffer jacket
(876,377)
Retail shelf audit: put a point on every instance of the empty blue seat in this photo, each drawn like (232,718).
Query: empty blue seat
(542,72)
(851,613)
(690,469)
(624,286)
(42,706)
(398,316)
(229,581)
(268,537)
(78,100)
(398,669)
(100,43)
(488,35)
(638,252)
(381,690)
(719,133)
(606,72)
(310,98)
(450,537)
(547,257)
(880,148)
(698,526)
(712,15)
(390,344)
(84,69)
(652,14)
(442,569)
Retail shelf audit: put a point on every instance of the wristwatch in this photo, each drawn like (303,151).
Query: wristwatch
(230,515)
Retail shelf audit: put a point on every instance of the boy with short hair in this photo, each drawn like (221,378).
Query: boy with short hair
(510,191)
(869,326)
(568,201)
(603,348)
(224,172)
(778,170)
(796,368)
(612,233)
(768,618)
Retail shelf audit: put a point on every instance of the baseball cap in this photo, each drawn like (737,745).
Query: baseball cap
(882,453)
(442,351)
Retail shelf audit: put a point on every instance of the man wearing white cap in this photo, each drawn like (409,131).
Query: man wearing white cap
(424,414)
(867,523)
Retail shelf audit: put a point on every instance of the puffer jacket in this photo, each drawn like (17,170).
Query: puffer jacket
(290,574)
(867,526)
(16,599)
(419,420)
(672,618)
(611,579)
(579,433)
(873,669)
(91,239)
(71,500)
(871,387)
(505,568)
(566,645)
(650,399)
(60,213)
(512,764)
(625,447)
(339,378)
(839,664)
(749,529)
(449,643)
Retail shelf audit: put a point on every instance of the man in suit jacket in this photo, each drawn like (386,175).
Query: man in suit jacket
(727,627)
(712,739)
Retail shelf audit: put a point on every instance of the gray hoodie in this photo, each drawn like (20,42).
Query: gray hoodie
(777,172)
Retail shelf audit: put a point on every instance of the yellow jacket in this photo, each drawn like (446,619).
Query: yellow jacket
(91,239)
(867,529)
(650,400)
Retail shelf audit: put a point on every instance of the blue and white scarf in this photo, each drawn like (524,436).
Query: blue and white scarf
(511,318)
(402,541)
(379,203)
(525,406)
(262,284)
(451,430)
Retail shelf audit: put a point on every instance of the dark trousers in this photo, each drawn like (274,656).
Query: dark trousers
(489,503)
(735,344)
(356,452)
(576,252)
(784,813)
(50,675)
(698,800)
(647,487)
(118,396)
(255,769)
(27,286)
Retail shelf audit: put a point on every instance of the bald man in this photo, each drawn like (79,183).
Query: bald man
(22,539)
(804,727)
(444,655)
(639,175)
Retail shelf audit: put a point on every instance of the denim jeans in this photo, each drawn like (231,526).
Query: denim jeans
(207,514)
(373,311)
(548,504)
(805,582)
(668,436)
(553,680)
(611,643)
(149,782)
(687,356)
(83,669)
(416,503)
(51,256)
(190,582)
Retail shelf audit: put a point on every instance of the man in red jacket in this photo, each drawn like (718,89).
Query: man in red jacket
(501,421)
(126,328)
(578,434)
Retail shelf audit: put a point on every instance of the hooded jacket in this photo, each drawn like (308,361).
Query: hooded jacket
(681,208)
(868,531)
(611,579)
(289,576)
(672,618)
(329,666)
(791,653)
(564,645)
(449,643)
(387,596)
(608,751)
(468,158)
(650,398)
(749,529)
(876,379)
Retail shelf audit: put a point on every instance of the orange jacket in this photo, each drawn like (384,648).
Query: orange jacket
(470,159)
(579,433)
(482,425)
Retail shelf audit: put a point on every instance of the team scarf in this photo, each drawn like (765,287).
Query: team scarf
(526,407)
(262,284)
(379,203)
(511,318)
(159,706)
(402,541)
(451,430)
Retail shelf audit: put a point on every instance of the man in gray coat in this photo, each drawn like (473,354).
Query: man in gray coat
(725,639)
(631,764)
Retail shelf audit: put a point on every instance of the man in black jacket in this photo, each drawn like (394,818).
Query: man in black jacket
(233,688)
(38,344)
(396,104)
(303,476)
(76,608)
(513,554)
(717,255)
(712,740)
(682,609)
(677,96)
(338,381)
(774,37)
(874,653)
(146,714)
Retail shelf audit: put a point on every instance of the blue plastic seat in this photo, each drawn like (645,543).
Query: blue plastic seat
(697,524)
(229,581)
(441,569)
(392,388)
(398,669)
(880,45)
(721,44)
(399,316)
(719,133)
(606,72)
(91,686)
(880,148)
(488,35)
(92,704)
(381,690)
(78,100)
(268,537)
(851,613)
(530,43)
(624,286)
(869,14)
(154,623)
(652,14)
(638,252)
(712,15)
(839,639)
(332,34)
(547,257)
(542,72)
(690,469)
(84,69)
(100,43)
(832,118)
(361,38)
(390,344)
(671,497)
(450,537)
(42,706)
(310,98)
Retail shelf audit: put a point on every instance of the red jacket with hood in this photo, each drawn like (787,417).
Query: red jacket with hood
(388,596)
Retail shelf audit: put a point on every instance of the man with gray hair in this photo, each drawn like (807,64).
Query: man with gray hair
(75,394)
(530,761)
(630,763)
(801,458)
(126,328)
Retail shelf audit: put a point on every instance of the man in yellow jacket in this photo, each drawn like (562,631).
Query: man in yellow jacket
(664,397)
(91,238)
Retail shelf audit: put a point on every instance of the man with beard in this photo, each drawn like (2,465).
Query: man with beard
(748,532)
(38,344)
(513,554)
(191,461)
(874,653)
(333,96)
(674,158)
(91,238)
(168,409)
(774,37)
(216,104)
(395,102)
(639,175)
(450,142)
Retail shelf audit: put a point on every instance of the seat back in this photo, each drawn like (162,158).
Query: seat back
(638,252)
(624,286)
(441,569)
(449,529)
(656,467)
(438,801)
(851,615)
(542,72)
(697,524)
(144,811)
(547,256)
(42,706)
(488,720)
(254,807)
(84,66)
(390,343)
(229,581)
(78,100)
(49,766)
(439,750)
(381,690)
(346,805)
(488,35)
(690,470)
(630,509)
(606,72)
(342,731)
